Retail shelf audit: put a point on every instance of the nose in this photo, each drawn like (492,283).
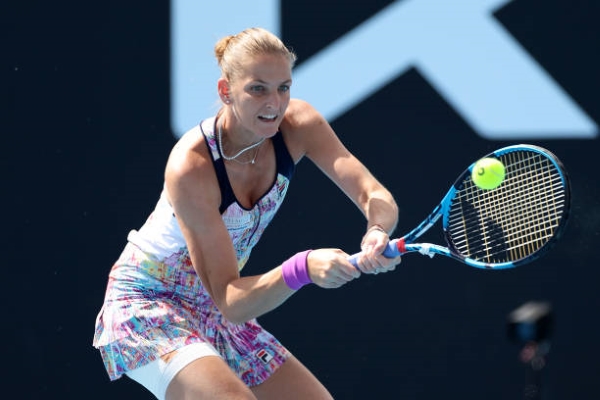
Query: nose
(273,101)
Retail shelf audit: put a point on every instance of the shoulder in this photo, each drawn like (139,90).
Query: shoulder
(190,166)
(301,126)
(301,115)
(189,154)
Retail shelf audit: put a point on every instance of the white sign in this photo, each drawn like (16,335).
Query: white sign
(473,62)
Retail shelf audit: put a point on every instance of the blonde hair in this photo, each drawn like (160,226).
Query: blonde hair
(232,50)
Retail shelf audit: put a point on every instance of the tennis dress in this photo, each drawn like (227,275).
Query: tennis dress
(155,302)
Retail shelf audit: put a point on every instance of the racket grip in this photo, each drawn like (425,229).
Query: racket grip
(392,250)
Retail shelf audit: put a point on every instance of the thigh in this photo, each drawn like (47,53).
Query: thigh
(292,381)
(208,378)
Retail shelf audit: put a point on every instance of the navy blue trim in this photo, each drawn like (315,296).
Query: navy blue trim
(285,163)
(227,196)
(285,166)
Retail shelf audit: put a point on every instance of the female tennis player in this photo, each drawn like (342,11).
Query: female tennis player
(178,317)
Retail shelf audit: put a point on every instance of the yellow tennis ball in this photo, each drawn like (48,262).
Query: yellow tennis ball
(488,173)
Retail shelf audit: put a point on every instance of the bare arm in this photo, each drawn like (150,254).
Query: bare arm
(313,137)
(194,193)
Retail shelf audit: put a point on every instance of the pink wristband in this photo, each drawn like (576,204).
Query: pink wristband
(295,270)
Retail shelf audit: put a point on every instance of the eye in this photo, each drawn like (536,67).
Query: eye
(284,88)
(257,89)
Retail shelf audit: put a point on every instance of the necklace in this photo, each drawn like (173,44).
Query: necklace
(239,153)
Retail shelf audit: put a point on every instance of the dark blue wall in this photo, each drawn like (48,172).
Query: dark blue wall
(86,130)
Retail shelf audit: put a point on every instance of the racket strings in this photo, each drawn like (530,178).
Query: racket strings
(514,220)
(521,212)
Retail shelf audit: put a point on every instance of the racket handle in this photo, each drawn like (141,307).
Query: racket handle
(392,250)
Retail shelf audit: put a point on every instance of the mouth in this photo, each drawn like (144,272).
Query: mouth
(268,117)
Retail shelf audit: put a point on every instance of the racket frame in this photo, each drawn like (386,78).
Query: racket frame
(406,244)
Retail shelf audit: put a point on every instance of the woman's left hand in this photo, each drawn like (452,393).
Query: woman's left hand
(371,260)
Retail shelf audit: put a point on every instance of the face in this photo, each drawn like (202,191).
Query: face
(260,94)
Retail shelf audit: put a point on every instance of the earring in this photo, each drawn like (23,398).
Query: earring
(227,101)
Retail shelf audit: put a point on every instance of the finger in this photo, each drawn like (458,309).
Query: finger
(368,265)
(347,271)
(380,264)
(338,274)
(389,264)
(335,282)
(376,260)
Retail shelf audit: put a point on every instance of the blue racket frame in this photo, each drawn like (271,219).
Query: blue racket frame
(406,244)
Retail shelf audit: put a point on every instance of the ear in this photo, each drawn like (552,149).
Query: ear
(223,89)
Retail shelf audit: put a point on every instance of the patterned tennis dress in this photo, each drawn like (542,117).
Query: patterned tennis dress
(155,303)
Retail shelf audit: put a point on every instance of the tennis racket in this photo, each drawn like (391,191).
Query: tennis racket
(500,228)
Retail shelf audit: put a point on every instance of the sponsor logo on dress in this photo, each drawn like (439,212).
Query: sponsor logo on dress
(264,356)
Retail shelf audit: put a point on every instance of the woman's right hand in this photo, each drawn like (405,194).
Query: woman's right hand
(330,268)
